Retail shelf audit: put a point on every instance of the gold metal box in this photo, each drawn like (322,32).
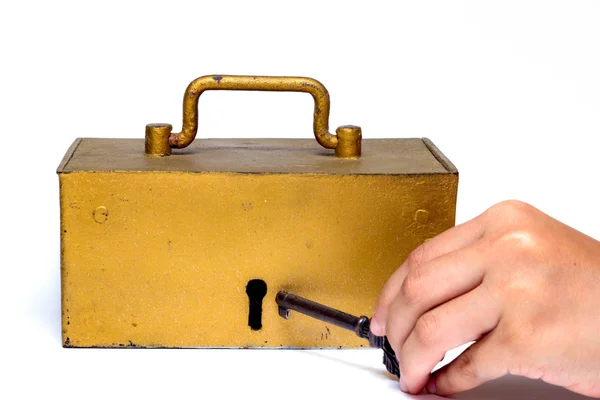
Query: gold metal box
(157,250)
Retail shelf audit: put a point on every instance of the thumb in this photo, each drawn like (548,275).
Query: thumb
(475,366)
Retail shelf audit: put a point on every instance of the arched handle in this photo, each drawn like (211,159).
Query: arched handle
(346,142)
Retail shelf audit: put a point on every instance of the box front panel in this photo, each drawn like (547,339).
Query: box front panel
(157,259)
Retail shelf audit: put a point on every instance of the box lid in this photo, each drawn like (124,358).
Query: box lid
(261,156)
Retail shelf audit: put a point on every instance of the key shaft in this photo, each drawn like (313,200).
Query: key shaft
(359,325)
(287,301)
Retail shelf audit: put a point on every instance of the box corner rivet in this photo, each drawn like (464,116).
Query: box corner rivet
(421,216)
(100,214)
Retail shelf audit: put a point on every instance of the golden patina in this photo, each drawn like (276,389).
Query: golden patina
(158,251)
(160,139)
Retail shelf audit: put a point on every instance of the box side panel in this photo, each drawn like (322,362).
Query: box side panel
(64,261)
(163,259)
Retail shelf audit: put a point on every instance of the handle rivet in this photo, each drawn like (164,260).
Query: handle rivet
(349,141)
(157,139)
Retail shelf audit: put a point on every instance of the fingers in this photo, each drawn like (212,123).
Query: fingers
(454,238)
(388,294)
(459,321)
(482,362)
(433,283)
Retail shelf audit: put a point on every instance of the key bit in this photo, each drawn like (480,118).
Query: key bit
(359,325)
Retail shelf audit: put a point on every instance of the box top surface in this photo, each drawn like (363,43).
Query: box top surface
(267,156)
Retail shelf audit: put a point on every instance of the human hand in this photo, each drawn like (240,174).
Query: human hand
(522,285)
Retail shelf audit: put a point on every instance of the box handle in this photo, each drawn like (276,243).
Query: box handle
(346,141)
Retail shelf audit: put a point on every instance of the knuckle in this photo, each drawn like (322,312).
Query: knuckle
(509,210)
(416,257)
(516,207)
(412,288)
(427,329)
(523,250)
(523,240)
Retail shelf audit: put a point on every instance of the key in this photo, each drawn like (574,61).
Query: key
(359,325)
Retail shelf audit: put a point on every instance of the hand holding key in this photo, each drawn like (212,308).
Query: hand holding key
(522,285)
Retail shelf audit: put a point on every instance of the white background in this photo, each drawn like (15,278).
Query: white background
(509,91)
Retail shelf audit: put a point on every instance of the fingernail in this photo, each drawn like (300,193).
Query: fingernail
(403,386)
(431,386)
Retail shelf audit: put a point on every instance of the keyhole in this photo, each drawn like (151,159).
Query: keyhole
(256,291)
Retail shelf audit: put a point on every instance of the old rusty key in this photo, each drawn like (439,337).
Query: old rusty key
(359,325)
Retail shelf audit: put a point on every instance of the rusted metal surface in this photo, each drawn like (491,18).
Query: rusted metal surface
(359,325)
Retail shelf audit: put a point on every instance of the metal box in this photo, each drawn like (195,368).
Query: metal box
(157,250)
